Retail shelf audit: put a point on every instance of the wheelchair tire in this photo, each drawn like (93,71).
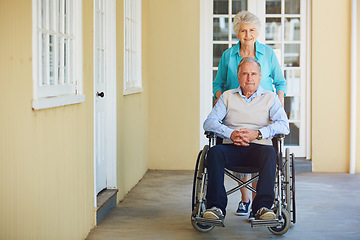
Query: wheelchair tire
(199,170)
(200,227)
(280,230)
(293,207)
(287,174)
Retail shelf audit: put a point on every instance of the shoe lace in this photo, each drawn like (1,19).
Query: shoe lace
(242,206)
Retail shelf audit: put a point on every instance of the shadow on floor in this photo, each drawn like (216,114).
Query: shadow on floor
(159,207)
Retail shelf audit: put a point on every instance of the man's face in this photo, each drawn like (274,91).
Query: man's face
(249,77)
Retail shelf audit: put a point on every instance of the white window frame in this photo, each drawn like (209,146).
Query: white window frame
(132,47)
(65,86)
(301,150)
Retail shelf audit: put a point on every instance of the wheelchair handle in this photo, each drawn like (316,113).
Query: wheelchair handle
(212,135)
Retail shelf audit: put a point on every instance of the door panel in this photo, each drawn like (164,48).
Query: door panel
(284,31)
(100,96)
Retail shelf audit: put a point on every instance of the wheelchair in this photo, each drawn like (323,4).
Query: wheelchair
(284,203)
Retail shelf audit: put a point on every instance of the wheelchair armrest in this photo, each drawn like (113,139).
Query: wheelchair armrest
(279,136)
(209,134)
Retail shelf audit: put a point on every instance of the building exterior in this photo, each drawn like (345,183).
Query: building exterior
(48,156)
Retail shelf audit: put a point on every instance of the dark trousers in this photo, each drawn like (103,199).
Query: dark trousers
(255,155)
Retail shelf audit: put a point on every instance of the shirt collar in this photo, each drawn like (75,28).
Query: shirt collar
(259,48)
(258,92)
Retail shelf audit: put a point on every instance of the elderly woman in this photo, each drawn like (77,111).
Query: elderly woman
(246,26)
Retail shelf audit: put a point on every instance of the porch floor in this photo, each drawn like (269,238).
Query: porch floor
(159,207)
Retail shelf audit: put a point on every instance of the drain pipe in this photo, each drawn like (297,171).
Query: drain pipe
(353,86)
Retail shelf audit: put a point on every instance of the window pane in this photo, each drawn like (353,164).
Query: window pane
(43,59)
(293,138)
(292,29)
(221,28)
(66,54)
(292,77)
(59,61)
(238,5)
(278,52)
(214,74)
(221,7)
(233,35)
(273,6)
(292,55)
(292,107)
(273,29)
(44,14)
(292,6)
(51,59)
(218,50)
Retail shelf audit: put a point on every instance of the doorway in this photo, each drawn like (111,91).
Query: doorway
(284,28)
(104,95)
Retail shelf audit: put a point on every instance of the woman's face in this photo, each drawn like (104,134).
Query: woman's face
(247,34)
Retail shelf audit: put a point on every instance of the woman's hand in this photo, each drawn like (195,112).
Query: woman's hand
(281,94)
(217,94)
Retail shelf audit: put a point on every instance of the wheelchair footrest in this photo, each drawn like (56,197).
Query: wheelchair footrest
(211,222)
(265,223)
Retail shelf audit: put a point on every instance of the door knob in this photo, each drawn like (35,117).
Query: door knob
(100,94)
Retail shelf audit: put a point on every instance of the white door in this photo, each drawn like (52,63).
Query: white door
(284,29)
(104,95)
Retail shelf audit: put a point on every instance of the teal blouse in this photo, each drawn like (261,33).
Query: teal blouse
(272,76)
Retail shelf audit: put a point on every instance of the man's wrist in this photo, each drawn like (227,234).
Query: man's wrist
(259,136)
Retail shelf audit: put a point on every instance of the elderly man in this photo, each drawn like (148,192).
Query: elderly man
(247,118)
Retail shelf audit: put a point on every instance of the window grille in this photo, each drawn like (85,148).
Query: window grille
(57,53)
(224,12)
(132,51)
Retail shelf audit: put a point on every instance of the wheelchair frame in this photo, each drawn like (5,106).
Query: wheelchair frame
(284,203)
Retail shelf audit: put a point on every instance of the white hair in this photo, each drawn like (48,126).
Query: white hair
(248,60)
(247,18)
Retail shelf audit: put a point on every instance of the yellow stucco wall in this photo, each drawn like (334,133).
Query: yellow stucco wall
(331,86)
(357,164)
(132,114)
(172,49)
(46,173)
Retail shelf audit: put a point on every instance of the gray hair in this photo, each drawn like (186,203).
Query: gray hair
(247,18)
(248,60)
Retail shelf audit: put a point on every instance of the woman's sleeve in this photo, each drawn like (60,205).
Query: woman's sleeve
(277,74)
(220,80)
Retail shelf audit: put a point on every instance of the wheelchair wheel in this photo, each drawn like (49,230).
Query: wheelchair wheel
(282,229)
(290,184)
(287,175)
(198,201)
(293,208)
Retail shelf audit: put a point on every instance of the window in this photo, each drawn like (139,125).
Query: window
(224,37)
(132,51)
(284,32)
(57,53)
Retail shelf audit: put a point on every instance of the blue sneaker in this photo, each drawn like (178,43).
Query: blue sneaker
(251,216)
(243,208)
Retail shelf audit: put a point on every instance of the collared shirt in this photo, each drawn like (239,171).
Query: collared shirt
(277,114)
(226,77)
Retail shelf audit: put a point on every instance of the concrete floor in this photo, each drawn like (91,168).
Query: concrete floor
(159,207)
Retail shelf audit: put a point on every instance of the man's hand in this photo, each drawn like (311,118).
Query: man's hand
(243,136)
